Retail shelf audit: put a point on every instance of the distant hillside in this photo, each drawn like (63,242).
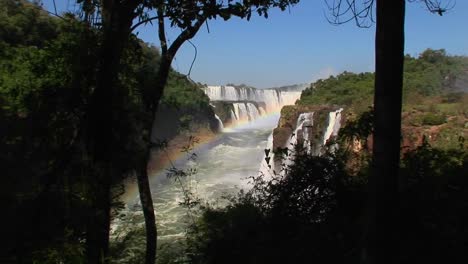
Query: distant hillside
(435,102)
(433,73)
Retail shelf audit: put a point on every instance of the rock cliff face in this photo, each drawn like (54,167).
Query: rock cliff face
(171,122)
(177,129)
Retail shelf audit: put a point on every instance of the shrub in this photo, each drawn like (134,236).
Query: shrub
(431,119)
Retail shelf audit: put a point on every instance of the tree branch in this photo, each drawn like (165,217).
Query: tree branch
(162,31)
(144,21)
(187,34)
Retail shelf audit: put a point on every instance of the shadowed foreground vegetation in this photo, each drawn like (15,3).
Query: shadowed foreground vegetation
(315,212)
(48,71)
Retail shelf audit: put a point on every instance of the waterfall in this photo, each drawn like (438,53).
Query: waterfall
(236,112)
(304,136)
(245,111)
(268,162)
(334,123)
(233,116)
(307,131)
(253,111)
(220,123)
(262,110)
(241,112)
(303,126)
(273,99)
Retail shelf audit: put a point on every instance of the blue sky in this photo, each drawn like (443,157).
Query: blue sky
(300,46)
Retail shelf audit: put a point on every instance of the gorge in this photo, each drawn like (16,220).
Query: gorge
(251,121)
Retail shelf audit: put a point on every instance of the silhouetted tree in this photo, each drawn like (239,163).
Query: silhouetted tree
(381,234)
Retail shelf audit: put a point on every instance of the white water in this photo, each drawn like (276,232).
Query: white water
(273,99)
(334,123)
(220,123)
(267,167)
(223,167)
(303,124)
(246,112)
(302,135)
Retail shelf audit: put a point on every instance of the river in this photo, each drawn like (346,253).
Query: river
(222,167)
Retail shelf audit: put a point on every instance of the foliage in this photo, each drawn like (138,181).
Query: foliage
(361,128)
(434,192)
(25,24)
(315,213)
(48,70)
(346,89)
(430,119)
(180,92)
(307,214)
(432,73)
(42,104)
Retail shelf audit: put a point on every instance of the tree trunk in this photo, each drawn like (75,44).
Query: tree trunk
(107,97)
(142,177)
(154,98)
(148,212)
(382,236)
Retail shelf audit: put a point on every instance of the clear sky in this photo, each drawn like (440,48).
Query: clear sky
(300,46)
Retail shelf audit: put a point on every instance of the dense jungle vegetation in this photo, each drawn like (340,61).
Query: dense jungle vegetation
(48,68)
(433,73)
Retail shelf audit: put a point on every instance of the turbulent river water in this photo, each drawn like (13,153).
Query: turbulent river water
(222,168)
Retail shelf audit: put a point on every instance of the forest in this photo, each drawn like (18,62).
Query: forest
(86,107)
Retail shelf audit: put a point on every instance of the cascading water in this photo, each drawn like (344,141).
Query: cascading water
(234,116)
(304,123)
(220,123)
(245,111)
(304,136)
(223,164)
(253,111)
(334,123)
(274,99)
(267,164)
(240,109)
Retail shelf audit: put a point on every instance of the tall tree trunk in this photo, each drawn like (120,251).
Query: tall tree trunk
(148,212)
(106,99)
(155,97)
(142,176)
(382,243)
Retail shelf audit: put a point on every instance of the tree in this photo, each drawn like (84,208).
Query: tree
(381,234)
